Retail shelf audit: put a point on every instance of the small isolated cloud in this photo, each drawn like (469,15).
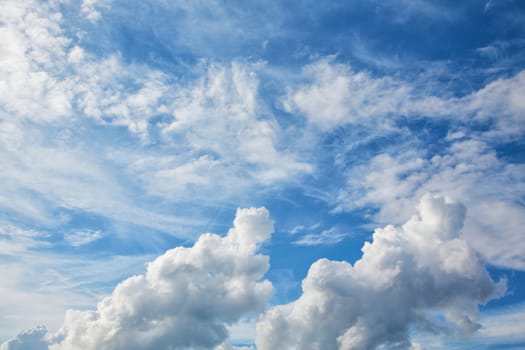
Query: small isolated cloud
(90,9)
(326,237)
(186,299)
(301,228)
(405,276)
(79,238)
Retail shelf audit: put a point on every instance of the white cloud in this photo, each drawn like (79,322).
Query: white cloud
(333,94)
(32,339)
(186,298)
(39,284)
(404,276)
(325,237)
(91,9)
(227,346)
(15,240)
(468,170)
(501,101)
(503,325)
(222,114)
(219,140)
(33,43)
(338,95)
(41,175)
(79,238)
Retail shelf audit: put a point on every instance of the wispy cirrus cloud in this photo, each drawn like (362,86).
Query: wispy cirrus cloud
(325,237)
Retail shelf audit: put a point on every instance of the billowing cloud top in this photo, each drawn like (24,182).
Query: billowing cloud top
(186,298)
(409,276)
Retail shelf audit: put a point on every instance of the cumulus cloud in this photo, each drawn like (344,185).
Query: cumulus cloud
(420,275)
(468,170)
(187,297)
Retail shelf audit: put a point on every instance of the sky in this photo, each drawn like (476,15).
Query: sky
(235,175)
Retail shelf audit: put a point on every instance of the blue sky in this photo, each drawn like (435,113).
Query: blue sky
(374,148)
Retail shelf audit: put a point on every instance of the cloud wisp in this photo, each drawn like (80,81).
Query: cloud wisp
(418,276)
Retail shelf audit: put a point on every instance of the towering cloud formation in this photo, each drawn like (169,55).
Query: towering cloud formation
(419,275)
(186,298)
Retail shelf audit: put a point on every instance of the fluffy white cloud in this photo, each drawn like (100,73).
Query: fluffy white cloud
(187,297)
(420,275)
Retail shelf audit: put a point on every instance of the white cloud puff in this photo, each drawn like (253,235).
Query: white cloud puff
(418,275)
(186,299)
